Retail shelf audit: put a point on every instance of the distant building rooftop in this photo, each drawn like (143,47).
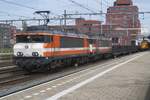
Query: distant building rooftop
(123,2)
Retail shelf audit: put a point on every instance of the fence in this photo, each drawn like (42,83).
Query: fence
(6,50)
(6,59)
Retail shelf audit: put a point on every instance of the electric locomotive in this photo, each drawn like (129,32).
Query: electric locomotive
(44,50)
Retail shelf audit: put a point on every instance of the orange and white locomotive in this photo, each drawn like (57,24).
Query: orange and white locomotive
(47,50)
(42,49)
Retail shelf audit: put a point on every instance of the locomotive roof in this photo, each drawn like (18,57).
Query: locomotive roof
(54,33)
(44,30)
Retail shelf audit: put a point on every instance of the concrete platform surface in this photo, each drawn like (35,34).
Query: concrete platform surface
(126,78)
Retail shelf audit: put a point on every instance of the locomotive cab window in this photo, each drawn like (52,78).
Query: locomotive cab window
(33,39)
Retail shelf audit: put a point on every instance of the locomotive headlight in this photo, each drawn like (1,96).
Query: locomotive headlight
(35,54)
(19,54)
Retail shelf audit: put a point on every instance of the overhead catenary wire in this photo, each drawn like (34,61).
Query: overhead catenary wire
(82,6)
(103,5)
(17,4)
(22,5)
(9,14)
(78,4)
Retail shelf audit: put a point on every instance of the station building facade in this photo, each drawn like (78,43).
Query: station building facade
(126,16)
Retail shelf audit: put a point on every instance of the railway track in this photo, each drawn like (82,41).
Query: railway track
(13,80)
(6,60)
(11,75)
(15,77)
(4,63)
(9,69)
(8,72)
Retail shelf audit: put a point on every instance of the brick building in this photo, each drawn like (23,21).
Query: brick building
(88,26)
(119,19)
(6,35)
(125,15)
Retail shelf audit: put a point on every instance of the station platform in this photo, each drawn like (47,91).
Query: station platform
(125,78)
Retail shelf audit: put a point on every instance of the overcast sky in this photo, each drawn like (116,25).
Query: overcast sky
(144,5)
(9,11)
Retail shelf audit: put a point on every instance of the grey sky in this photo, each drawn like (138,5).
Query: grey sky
(144,5)
(58,6)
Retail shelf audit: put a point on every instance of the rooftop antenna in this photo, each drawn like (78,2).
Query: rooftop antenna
(45,15)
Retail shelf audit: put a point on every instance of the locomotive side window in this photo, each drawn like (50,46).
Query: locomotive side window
(33,39)
(92,41)
(69,42)
(104,43)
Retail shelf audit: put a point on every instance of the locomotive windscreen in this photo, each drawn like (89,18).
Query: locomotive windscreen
(37,28)
(33,39)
